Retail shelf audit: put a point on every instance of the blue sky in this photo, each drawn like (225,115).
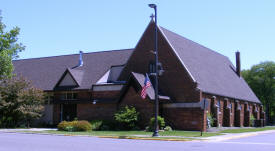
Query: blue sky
(60,27)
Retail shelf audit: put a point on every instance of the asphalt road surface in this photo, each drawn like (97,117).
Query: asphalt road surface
(39,142)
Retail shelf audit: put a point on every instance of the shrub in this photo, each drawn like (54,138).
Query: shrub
(161,123)
(82,126)
(62,125)
(70,129)
(127,118)
(96,124)
(74,126)
(210,120)
(108,125)
(168,128)
(252,120)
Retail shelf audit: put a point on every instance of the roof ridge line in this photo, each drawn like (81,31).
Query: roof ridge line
(76,54)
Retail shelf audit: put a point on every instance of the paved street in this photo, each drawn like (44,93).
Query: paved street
(39,142)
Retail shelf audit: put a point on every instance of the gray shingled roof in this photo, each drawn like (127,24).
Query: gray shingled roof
(45,72)
(213,72)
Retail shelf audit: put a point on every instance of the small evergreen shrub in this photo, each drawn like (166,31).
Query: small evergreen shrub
(168,128)
(161,123)
(126,118)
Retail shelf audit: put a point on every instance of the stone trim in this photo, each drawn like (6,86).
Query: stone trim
(186,105)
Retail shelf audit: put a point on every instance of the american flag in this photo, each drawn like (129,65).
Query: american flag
(147,84)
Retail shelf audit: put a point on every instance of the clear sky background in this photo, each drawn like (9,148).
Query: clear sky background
(60,27)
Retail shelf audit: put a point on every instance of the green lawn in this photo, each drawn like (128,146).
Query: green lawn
(243,130)
(135,133)
(166,135)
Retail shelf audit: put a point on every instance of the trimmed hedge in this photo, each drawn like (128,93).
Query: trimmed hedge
(74,126)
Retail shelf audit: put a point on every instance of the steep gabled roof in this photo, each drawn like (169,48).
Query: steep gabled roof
(213,72)
(70,78)
(45,72)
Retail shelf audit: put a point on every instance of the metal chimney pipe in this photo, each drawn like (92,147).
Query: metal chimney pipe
(80,62)
(238,64)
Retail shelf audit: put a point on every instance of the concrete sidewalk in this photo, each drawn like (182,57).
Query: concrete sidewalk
(27,129)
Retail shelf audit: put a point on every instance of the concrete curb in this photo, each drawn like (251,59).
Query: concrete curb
(111,137)
(143,138)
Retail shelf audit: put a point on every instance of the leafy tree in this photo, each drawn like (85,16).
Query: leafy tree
(20,103)
(261,78)
(9,48)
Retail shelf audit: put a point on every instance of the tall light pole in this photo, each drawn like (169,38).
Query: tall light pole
(156,128)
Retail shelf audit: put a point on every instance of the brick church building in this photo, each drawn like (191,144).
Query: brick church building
(95,85)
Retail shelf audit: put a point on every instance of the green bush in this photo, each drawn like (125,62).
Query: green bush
(251,121)
(96,124)
(211,119)
(161,123)
(70,129)
(168,128)
(126,118)
(74,126)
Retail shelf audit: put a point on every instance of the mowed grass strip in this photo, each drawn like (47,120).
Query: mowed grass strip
(244,130)
(135,133)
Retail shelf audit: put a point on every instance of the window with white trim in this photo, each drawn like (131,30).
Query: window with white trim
(68,96)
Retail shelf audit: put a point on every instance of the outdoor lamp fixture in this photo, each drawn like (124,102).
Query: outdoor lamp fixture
(94,102)
(156,127)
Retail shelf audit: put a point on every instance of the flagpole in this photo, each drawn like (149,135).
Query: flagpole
(156,128)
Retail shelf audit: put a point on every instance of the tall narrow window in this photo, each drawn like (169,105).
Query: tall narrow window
(152,67)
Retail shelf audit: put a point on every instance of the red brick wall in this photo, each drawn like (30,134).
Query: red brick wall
(106,94)
(89,111)
(185,118)
(236,117)
(181,89)
(144,107)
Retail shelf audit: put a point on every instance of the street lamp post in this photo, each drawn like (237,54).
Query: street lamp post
(156,128)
